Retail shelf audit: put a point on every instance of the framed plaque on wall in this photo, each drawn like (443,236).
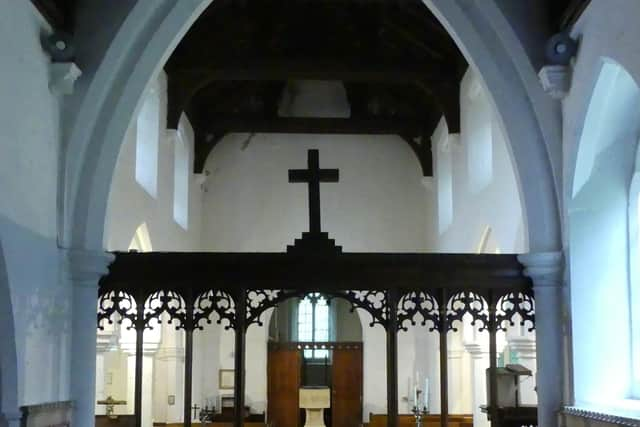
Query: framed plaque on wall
(225,379)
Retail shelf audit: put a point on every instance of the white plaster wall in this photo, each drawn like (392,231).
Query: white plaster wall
(255,366)
(497,205)
(206,365)
(29,153)
(374,364)
(378,205)
(130,205)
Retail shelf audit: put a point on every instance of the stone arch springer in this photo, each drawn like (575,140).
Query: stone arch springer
(483,34)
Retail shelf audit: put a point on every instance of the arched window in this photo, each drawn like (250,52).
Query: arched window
(313,323)
(147,141)
(634,276)
(182,173)
(603,224)
(141,241)
(475,114)
(444,175)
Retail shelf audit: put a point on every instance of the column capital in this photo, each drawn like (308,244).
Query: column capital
(544,268)
(523,345)
(477,351)
(82,265)
(173,353)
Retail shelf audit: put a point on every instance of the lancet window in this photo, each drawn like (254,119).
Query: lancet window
(313,323)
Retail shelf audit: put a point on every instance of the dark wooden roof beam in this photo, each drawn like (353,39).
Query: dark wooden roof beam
(313,70)
(245,123)
(410,131)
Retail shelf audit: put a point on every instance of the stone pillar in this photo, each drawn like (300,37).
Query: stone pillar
(150,346)
(147,386)
(147,391)
(545,270)
(84,268)
(169,377)
(457,377)
(131,381)
(479,363)
(100,395)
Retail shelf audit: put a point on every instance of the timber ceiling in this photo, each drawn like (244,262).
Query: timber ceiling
(400,69)
(399,66)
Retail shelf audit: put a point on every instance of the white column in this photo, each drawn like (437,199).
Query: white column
(84,268)
(479,363)
(545,270)
(150,346)
(147,390)
(457,376)
(427,361)
(100,395)
(169,377)
(131,382)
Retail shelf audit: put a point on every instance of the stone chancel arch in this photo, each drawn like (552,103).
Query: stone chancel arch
(150,30)
(103,119)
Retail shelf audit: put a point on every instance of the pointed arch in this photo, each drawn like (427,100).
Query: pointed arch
(151,31)
(141,240)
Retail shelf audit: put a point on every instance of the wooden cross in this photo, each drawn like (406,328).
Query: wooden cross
(195,410)
(313,176)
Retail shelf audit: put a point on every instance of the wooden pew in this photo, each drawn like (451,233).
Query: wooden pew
(432,420)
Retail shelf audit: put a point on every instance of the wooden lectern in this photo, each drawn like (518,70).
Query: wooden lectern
(314,401)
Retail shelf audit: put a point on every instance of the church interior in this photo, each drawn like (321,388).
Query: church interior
(319,213)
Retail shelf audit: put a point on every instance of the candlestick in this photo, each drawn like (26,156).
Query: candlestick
(426,394)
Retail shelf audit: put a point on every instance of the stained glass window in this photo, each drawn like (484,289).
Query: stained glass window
(313,323)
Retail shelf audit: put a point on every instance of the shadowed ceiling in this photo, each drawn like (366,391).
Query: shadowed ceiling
(398,65)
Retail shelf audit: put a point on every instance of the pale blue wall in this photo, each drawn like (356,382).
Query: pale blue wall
(29,156)
(599,240)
